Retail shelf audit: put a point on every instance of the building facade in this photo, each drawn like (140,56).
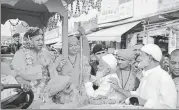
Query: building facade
(149,21)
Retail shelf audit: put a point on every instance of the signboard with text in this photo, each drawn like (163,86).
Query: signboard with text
(54,33)
(88,21)
(172,41)
(53,36)
(121,11)
(87,24)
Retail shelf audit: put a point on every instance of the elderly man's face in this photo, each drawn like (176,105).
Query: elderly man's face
(174,64)
(100,54)
(122,62)
(74,47)
(143,60)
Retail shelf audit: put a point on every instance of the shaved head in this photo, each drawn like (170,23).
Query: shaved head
(174,63)
(72,39)
(175,53)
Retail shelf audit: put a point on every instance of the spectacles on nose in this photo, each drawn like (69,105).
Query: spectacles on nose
(73,45)
(121,59)
(99,53)
(92,61)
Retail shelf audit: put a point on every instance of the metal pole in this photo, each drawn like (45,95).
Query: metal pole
(65,35)
(81,58)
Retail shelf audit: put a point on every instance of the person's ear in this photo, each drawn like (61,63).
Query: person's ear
(108,70)
(151,58)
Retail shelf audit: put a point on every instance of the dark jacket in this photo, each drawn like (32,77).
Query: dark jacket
(93,71)
(14,47)
(94,68)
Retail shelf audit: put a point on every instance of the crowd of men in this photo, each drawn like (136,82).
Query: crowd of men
(125,75)
(152,82)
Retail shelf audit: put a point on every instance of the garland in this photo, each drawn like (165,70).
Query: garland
(84,9)
(24,25)
(28,57)
(38,86)
(14,24)
(52,22)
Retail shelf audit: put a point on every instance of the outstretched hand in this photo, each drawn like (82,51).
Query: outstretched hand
(114,84)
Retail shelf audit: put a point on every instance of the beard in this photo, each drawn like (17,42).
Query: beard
(142,64)
(100,74)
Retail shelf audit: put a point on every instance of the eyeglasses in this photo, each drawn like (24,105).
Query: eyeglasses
(119,58)
(72,45)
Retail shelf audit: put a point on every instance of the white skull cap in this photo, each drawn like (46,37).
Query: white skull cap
(110,60)
(153,50)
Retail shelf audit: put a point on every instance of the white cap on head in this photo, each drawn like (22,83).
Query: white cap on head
(153,50)
(110,60)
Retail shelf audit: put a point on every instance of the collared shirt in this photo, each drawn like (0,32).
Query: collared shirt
(14,47)
(158,88)
(128,79)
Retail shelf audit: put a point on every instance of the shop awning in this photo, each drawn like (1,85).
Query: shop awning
(111,34)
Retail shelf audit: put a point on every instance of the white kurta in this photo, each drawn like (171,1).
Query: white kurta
(176,80)
(104,87)
(158,88)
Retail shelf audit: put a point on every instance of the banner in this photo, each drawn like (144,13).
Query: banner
(88,21)
(122,11)
(172,41)
(53,36)
(87,25)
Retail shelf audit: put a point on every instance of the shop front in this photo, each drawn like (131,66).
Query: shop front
(164,34)
(113,37)
(111,34)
